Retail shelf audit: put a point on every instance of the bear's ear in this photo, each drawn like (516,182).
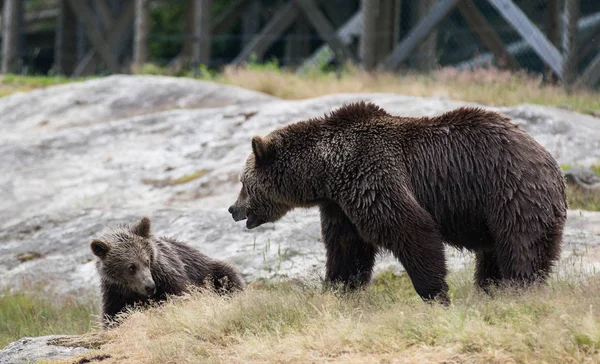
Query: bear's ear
(260,148)
(142,228)
(99,248)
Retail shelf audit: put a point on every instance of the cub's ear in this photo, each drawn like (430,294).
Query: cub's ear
(99,248)
(260,148)
(142,228)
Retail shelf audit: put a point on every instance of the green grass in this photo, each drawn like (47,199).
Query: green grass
(583,199)
(578,198)
(33,314)
(10,84)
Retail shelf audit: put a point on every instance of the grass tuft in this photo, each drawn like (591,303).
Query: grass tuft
(291,322)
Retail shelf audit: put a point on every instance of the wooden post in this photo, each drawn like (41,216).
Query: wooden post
(297,46)
(251,22)
(12,19)
(325,30)
(570,56)
(591,75)
(142,28)
(397,22)
(387,29)
(66,40)
(280,21)
(553,31)
(368,38)
(476,21)
(323,54)
(418,33)
(202,37)
(425,58)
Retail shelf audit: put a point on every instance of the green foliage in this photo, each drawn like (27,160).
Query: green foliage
(167,19)
(168,31)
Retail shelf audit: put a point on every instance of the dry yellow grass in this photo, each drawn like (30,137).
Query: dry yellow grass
(485,86)
(488,86)
(296,323)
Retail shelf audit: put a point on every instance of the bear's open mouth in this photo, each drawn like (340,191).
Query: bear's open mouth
(253,221)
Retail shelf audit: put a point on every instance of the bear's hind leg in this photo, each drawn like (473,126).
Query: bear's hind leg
(523,262)
(350,259)
(487,273)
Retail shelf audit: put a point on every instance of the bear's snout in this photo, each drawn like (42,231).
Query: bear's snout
(150,289)
(237,213)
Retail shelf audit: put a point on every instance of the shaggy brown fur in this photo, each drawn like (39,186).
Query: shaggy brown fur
(469,178)
(136,267)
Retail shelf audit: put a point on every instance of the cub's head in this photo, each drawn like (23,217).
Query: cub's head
(125,256)
(266,189)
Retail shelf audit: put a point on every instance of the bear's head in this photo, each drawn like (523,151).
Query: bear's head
(264,196)
(125,257)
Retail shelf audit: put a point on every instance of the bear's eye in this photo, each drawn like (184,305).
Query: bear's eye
(132,268)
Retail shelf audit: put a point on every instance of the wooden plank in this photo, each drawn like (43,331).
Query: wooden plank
(250,20)
(476,21)
(325,30)
(591,75)
(323,54)
(417,34)
(142,32)
(229,17)
(590,42)
(532,35)
(94,35)
(65,46)
(336,10)
(570,59)
(297,42)
(270,32)
(112,40)
(105,13)
(584,24)
(201,52)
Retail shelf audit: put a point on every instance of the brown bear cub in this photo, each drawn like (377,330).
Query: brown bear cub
(468,178)
(136,267)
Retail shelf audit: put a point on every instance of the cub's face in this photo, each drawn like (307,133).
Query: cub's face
(126,257)
(259,200)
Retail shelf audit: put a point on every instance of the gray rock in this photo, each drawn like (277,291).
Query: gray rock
(32,349)
(583,177)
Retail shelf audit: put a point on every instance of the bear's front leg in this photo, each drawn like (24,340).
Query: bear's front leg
(399,224)
(350,259)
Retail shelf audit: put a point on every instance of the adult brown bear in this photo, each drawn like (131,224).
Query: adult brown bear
(468,177)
